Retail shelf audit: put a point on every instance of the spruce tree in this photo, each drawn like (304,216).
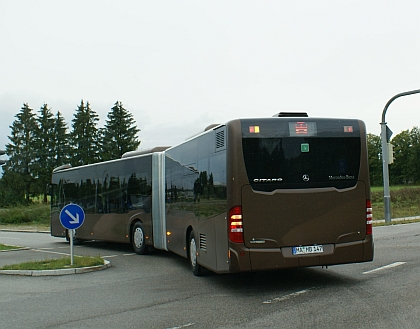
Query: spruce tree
(61,142)
(85,135)
(119,134)
(45,149)
(22,149)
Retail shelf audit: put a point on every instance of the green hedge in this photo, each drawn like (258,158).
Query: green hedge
(37,213)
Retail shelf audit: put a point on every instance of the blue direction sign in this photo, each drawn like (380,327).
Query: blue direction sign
(72,216)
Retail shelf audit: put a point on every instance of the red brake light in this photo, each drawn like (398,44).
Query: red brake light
(236,231)
(368,217)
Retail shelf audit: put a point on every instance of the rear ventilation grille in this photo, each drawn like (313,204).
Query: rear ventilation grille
(220,140)
(203,242)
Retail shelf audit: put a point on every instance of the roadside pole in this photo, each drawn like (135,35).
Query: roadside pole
(71,235)
(385,136)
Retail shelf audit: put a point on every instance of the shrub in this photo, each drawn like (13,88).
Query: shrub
(377,196)
(37,213)
(406,195)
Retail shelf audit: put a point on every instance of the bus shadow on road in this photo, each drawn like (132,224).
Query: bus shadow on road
(290,279)
(262,281)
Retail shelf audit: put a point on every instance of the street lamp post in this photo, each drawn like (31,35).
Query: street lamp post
(385,155)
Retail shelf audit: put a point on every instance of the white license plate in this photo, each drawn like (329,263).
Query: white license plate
(304,250)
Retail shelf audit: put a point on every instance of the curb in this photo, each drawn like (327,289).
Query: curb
(65,271)
(403,219)
(22,231)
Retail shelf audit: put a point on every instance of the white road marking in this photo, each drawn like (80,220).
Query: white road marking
(68,247)
(51,252)
(182,326)
(110,256)
(132,254)
(287,297)
(384,267)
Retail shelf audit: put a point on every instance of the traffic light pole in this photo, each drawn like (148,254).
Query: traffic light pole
(385,155)
(387,196)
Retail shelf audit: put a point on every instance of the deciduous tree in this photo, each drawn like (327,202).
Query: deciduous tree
(374,157)
(399,171)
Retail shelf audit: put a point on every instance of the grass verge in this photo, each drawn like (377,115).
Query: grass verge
(7,247)
(55,264)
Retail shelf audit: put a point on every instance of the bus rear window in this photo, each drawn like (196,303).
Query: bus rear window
(302,156)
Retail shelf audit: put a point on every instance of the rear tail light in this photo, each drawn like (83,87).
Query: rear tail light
(236,230)
(368,217)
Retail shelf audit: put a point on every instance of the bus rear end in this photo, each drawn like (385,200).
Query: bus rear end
(300,194)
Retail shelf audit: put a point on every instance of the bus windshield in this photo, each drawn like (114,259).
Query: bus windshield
(282,154)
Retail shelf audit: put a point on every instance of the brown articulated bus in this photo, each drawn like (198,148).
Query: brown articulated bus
(249,195)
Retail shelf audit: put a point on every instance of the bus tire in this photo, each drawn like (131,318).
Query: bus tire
(76,241)
(192,255)
(138,239)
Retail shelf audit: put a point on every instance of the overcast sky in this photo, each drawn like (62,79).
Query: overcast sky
(179,66)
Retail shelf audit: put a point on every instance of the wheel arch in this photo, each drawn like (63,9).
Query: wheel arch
(187,239)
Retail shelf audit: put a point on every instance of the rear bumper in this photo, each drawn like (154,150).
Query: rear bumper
(242,259)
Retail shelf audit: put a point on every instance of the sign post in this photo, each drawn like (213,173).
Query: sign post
(72,217)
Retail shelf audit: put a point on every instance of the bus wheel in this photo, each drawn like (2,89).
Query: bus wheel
(192,256)
(138,239)
(76,241)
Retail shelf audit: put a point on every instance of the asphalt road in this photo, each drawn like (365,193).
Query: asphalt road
(159,291)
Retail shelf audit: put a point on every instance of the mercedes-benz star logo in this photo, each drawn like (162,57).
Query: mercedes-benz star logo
(305,178)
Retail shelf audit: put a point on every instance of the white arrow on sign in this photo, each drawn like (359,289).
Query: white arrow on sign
(75,219)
